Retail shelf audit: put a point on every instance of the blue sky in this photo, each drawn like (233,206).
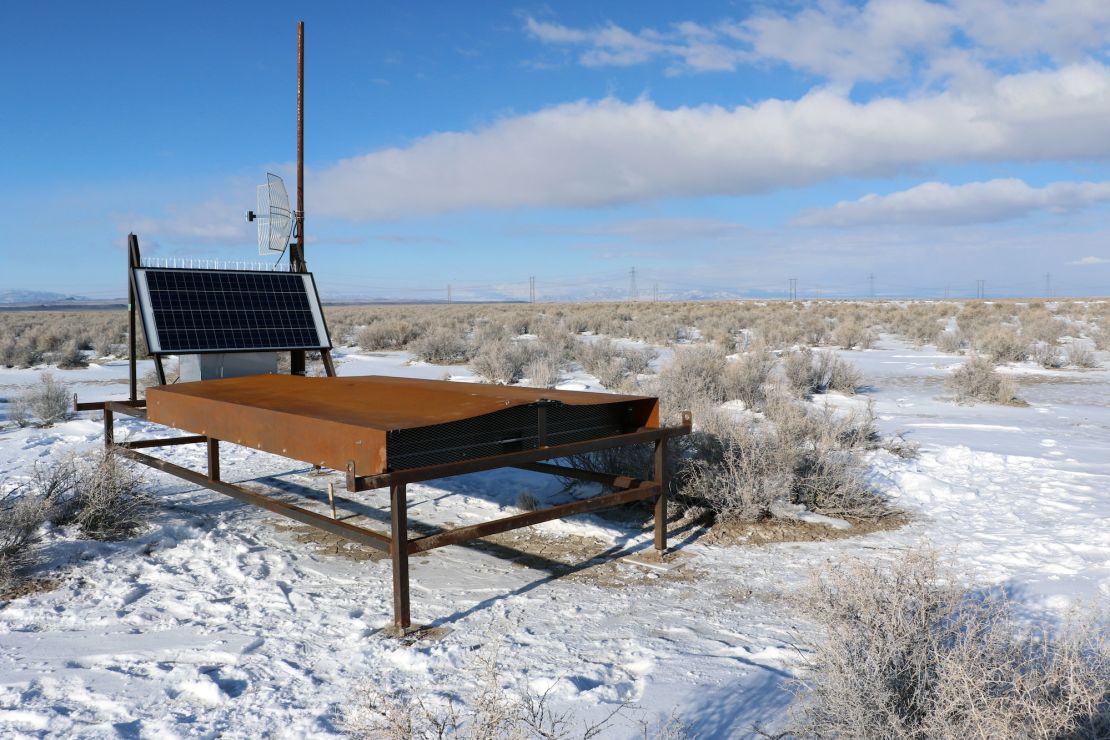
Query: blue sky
(718,148)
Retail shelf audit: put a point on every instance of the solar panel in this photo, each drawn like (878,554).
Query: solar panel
(193,311)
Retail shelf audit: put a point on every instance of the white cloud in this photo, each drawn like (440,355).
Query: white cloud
(849,42)
(688,44)
(846,42)
(1090,261)
(611,152)
(213,222)
(940,204)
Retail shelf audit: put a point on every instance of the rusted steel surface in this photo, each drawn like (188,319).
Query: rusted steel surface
(383,423)
(463,534)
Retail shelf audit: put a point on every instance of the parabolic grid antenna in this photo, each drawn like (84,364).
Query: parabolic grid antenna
(274,217)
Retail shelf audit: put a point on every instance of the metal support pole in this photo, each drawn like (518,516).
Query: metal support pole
(296,255)
(132,339)
(399,550)
(109,428)
(661,498)
(329,366)
(213,459)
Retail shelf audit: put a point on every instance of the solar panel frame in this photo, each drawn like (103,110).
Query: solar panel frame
(206,311)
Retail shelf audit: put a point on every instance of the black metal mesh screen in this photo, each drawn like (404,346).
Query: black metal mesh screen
(513,429)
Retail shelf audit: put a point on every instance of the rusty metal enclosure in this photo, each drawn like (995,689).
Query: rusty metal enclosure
(387,432)
(385,423)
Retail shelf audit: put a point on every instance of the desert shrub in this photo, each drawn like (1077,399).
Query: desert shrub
(905,652)
(750,469)
(109,501)
(1046,354)
(442,346)
(387,334)
(801,373)
(542,372)
(493,708)
(807,372)
(1002,344)
(746,378)
(27,354)
(951,342)
(22,513)
(501,362)
(610,364)
(853,334)
(838,374)
(104,343)
(1080,355)
(72,357)
(693,378)
(45,403)
(978,380)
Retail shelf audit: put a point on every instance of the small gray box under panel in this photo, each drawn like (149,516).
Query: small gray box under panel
(226,365)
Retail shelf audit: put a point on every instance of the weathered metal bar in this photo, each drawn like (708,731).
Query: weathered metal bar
(511,459)
(660,478)
(462,534)
(99,405)
(125,408)
(339,528)
(609,479)
(139,444)
(159,369)
(213,458)
(109,428)
(399,529)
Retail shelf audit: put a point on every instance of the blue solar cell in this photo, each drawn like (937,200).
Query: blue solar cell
(226,311)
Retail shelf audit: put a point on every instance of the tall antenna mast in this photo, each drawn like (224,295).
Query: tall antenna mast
(296,253)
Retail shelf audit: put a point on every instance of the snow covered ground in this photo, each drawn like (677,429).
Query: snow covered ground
(221,619)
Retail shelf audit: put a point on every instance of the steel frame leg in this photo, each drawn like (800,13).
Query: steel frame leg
(109,429)
(661,498)
(399,550)
(213,459)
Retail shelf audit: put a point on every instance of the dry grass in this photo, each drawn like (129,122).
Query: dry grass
(43,404)
(494,706)
(109,500)
(907,653)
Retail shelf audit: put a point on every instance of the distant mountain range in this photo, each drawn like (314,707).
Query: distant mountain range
(37,296)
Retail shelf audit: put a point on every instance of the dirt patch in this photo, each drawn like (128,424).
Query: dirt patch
(30,587)
(774,531)
(325,543)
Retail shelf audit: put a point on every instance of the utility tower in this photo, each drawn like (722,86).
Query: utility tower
(655,293)
(980,288)
(632,292)
(1048,285)
(448,292)
(532,289)
(871,285)
(793,289)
